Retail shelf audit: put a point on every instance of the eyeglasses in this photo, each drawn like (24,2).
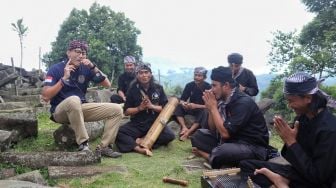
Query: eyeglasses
(78,51)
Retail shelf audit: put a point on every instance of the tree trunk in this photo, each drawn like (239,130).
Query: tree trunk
(44,159)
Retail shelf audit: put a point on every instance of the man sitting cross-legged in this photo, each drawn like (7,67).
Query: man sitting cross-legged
(191,102)
(237,128)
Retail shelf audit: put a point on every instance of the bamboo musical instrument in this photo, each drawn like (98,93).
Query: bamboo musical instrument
(159,123)
(250,183)
(175,181)
(214,173)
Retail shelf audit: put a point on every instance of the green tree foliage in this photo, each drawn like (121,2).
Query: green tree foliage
(312,51)
(318,41)
(319,5)
(283,47)
(275,92)
(110,35)
(22,32)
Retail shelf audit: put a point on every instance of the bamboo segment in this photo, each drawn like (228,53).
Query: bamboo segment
(159,123)
(214,173)
(175,181)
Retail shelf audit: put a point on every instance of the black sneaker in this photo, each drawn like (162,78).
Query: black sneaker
(108,152)
(84,146)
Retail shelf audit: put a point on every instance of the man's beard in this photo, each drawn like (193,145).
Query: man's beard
(130,73)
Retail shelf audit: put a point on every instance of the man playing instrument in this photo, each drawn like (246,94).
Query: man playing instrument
(237,128)
(144,101)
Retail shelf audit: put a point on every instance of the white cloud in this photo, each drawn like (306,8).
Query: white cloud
(186,33)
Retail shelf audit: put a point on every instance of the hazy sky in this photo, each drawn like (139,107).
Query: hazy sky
(174,33)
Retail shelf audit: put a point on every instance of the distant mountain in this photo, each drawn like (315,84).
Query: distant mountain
(171,76)
(263,81)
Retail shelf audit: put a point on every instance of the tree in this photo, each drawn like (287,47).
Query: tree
(110,36)
(319,5)
(312,51)
(318,40)
(22,32)
(283,48)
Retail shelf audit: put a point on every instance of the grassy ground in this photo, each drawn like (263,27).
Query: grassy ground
(143,171)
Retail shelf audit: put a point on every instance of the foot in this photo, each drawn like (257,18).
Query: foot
(138,141)
(195,151)
(200,153)
(108,152)
(144,151)
(84,146)
(278,180)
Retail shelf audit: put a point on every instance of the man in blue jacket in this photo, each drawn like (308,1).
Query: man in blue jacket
(65,86)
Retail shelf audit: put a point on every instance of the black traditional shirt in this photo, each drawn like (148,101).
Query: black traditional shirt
(134,98)
(244,121)
(124,81)
(247,79)
(194,93)
(313,156)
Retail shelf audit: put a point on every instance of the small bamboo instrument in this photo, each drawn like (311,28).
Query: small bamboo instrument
(159,123)
(249,183)
(175,181)
(214,173)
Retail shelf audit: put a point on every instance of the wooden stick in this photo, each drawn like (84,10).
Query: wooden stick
(175,181)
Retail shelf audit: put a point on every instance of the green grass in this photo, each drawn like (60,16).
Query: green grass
(143,171)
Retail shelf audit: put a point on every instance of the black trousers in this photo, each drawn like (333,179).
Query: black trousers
(227,154)
(129,132)
(116,99)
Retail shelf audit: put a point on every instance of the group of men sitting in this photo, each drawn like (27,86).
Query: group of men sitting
(229,128)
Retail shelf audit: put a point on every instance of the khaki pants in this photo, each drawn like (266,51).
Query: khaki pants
(71,111)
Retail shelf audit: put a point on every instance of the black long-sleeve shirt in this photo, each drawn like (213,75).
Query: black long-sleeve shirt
(248,80)
(313,156)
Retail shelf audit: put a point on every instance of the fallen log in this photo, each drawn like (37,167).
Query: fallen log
(45,159)
(33,176)
(56,172)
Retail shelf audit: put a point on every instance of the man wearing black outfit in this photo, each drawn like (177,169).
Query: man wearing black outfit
(237,128)
(191,102)
(144,102)
(124,80)
(245,77)
(309,147)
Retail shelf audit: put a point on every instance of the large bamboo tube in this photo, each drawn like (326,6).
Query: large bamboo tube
(159,123)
